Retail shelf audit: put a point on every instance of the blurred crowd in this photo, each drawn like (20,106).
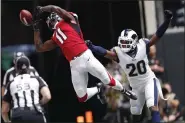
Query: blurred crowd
(118,106)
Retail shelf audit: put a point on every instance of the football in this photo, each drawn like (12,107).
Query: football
(25,17)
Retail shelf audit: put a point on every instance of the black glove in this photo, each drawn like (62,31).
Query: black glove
(88,43)
(36,18)
(38,10)
(168,14)
(36,25)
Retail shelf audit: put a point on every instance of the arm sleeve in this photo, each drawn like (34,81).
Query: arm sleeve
(98,50)
(162,28)
(7,96)
(35,72)
(147,41)
(5,79)
(42,83)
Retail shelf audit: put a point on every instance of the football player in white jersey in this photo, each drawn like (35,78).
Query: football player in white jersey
(131,54)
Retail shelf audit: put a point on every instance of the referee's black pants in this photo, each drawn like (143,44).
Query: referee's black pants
(27,116)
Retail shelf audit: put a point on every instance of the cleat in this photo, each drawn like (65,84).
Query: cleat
(129,94)
(101,93)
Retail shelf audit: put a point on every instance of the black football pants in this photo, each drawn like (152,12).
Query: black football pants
(27,116)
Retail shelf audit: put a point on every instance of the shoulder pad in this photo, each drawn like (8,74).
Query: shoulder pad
(74,14)
(146,40)
(31,67)
(114,48)
(32,76)
(11,69)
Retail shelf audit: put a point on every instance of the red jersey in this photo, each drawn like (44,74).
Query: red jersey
(70,39)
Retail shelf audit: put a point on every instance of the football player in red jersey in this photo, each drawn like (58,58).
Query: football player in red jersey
(68,36)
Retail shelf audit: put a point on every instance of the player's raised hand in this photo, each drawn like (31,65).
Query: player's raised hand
(37,13)
(36,24)
(168,14)
(37,18)
(38,10)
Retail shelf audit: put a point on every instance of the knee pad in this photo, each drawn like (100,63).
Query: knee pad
(135,110)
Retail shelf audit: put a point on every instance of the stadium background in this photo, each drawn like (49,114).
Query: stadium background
(101,22)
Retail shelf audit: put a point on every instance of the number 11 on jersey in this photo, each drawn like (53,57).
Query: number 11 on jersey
(60,36)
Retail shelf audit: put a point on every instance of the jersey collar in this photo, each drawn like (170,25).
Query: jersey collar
(55,26)
(132,53)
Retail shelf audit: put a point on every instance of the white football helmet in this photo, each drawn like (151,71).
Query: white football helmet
(127,40)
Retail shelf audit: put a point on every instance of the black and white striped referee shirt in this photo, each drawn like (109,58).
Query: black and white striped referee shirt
(11,74)
(24,90)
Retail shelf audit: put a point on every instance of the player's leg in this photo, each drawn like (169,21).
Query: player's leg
(151,95)
(80,81)
(137,105)
(95,68)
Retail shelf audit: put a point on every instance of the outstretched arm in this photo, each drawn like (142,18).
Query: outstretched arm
(42,47)
(162,28)
(61,12)
(102,51)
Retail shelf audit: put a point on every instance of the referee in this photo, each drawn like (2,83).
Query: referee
(24,93)
(11,73)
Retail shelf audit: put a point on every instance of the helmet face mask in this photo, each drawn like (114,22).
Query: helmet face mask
(127,41)
(52,20)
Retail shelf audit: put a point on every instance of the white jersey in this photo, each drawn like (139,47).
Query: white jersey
(137,69)
(24,90)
